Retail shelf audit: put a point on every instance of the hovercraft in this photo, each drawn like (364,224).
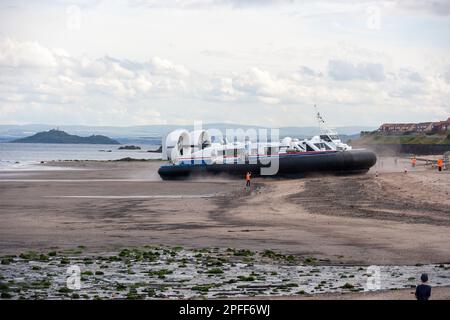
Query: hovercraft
(199,153)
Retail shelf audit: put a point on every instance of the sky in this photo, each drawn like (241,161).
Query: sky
(267,62)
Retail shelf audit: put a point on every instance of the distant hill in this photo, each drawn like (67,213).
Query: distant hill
(151,134)
(58,136)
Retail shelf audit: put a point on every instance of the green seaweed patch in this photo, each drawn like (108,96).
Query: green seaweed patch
(210,262)
(133,294)
(347,286)
(288,285)
(121,287)
(203,288)
(246,278)
(6,261)
(64,290)
(73,251)
(125,253)
(5,295)
(243,253)
(271,254)
(29,255)
(161,273)
(43,283)
(290,258)
(114,259)
(4,287)
(151,255)
(150,292)
(214,271)
(310,260)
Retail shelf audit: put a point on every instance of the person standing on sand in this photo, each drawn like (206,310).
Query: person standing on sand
(248,177)
(439,164)
(413,161)
(423,290)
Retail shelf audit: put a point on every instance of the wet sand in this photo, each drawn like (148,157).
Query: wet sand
(383,219)
(437,293)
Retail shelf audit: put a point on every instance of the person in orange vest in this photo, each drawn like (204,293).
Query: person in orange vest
(439,164)
(413,161)
(248,177)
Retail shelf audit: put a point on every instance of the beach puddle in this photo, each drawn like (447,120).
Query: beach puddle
(155,272)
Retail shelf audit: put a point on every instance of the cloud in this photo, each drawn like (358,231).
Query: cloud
(32,74)
(26,54)
(437,7)
(48,85)
(434,7)
(303,70)
(343,71)
(446,74)
(196,4)
(163,66)
(413,76)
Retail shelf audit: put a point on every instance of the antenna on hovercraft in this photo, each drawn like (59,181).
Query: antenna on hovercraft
(324,129)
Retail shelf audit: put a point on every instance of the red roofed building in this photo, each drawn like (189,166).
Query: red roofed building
(396,127)
(441,126)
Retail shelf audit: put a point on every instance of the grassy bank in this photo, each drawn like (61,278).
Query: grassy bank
(371,139)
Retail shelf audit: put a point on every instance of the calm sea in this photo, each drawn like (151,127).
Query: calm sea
(26,155)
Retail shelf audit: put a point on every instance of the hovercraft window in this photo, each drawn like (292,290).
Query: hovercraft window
(322,146)
(325,138)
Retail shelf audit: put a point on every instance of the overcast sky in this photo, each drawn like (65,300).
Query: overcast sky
(262,62)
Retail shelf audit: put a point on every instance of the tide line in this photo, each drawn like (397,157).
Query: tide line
(177,196)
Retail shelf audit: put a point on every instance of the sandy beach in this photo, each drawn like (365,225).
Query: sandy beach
(364,219)
(385,217)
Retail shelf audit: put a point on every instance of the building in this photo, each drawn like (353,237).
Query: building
(396,127)
(422,127)
(441,126)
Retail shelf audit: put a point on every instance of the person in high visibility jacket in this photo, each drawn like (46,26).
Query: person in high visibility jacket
(248,177)
(413,161)
(439,164)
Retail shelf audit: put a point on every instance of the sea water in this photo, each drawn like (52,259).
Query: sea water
(22,156)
